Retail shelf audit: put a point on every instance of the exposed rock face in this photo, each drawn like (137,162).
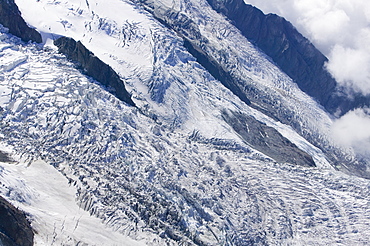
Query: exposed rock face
(267,140)
(292,52)
(4,157)
(10,17)
(216,70)
(15,230)
(94,67)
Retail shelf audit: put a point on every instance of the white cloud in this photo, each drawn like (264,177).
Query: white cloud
(352,130)
(351,68)
(339,28)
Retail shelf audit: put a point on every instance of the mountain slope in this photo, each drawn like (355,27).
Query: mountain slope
(11,18)
(293,53)
(250,75)
(94,67)
(193,163)
(14,227)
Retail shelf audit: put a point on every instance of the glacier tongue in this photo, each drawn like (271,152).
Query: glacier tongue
(172,171)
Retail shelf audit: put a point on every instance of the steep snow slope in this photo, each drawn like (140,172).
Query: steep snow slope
(150,57)
(215,40)
(172,171)
(165,56)
(34,186)
(44,193)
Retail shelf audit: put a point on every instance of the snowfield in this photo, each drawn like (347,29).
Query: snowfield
(43,192)
(91,170)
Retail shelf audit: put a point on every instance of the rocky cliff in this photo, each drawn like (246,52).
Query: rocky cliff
(266,139)
(217,71)
(292,52)
(4,157)
(11,18)
(15,230)
(94,67)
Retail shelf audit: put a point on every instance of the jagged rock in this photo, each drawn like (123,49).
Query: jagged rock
(4,157)
(217,71)
(94,67)
(10,17)
(15,230)
(267,140)
(292,52)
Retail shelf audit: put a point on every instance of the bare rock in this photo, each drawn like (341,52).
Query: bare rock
(15,230)
(94,67)
(10,17)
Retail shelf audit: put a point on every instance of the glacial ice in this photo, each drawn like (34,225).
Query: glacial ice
(170,171)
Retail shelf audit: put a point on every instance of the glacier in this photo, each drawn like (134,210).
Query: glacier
(91,169)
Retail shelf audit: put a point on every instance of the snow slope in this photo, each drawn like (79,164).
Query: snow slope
(44,193)
(154,62)
(171,171)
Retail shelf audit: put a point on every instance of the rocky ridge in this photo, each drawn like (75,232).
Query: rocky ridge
(15,230)
(10,17)
(266,139)
(292,52)
(94,67)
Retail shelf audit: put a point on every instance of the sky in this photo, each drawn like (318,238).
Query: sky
(340,29)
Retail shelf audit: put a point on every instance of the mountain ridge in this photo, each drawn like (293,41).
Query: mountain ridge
(15,229)
(94,67)
(292,52)
(10,17)
(215,58)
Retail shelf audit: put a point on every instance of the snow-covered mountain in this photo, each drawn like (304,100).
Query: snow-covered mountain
(219,147)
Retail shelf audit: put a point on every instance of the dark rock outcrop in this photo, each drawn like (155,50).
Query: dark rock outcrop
(292,52)
(4,157)
(94,67)
(10,17)
(15,230)
(216,70)
(267,140)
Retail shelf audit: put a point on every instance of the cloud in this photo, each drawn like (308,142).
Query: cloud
(352,130)
(351,68)
(338,28)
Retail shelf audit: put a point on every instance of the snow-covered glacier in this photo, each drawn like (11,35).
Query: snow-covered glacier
(194,163)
